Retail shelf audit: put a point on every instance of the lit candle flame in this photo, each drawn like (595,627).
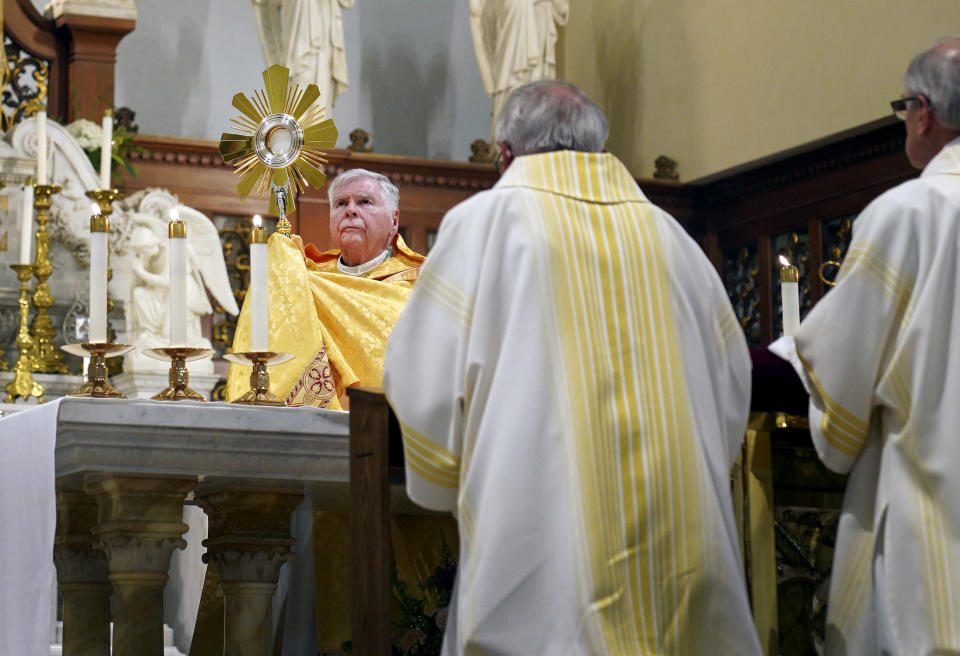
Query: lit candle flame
(95,209)
(784,261)
(174,215)
(257,221)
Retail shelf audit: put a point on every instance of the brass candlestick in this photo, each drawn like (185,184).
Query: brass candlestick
(23,384)
(179,388)
(96,385)
(46,357)
(259,393)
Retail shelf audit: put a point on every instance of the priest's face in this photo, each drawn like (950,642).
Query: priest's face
(361,223)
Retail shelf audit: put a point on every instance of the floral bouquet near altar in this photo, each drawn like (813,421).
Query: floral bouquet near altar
(418,631)
(419,623)
(90,136)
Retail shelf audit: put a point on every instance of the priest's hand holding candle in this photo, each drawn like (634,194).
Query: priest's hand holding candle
(106,149)
(258,286)
(177,254)
(99,229)
(790,297)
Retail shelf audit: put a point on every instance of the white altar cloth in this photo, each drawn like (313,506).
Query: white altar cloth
(28,520)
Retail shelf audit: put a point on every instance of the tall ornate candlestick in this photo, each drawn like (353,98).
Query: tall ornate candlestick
(23,384)
(101,345)
(46,357)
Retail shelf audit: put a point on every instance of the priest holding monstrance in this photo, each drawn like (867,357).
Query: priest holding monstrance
(334,310)
(331,310)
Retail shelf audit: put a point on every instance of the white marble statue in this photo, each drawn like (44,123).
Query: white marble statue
(306,36)
(515,41)
(147,299)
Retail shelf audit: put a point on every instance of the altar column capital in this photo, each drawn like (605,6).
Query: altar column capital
(250,540)
(81,576)
(139,526)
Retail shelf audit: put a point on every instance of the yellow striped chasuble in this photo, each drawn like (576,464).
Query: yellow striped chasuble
(582,388)
(880,358)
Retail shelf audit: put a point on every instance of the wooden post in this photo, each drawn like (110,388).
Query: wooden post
(91,57)
(370,550)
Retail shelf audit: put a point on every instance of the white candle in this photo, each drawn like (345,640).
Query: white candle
(177,253)
(99,229)
(26,226)
(789,297)
(42,148)
(106,149)
(259,312)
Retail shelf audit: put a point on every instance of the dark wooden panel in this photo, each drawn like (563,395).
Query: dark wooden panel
(370,551)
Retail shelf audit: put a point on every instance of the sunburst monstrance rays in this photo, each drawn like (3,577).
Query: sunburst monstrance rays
(282,137)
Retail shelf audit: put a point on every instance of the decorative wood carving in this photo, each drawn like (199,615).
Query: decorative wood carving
(34,34)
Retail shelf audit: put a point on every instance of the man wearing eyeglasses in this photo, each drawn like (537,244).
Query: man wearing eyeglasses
(879,355)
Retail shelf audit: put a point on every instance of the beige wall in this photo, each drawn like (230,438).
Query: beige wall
(716,83)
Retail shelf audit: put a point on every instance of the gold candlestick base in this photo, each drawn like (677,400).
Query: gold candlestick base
(259,393)
(179,388)
(23,385)
(97,385)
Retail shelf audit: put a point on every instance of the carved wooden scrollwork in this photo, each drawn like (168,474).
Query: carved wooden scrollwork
(741,280)
(837,234)
(25,81)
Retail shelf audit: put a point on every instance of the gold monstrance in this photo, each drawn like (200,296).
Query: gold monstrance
(283,134)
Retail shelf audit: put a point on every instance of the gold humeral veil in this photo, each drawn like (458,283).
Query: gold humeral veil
(335,324)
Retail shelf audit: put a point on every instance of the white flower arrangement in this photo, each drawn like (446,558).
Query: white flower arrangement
(87,133)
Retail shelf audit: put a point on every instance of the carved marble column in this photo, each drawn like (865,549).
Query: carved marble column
(139,526)
(81,577)
(250,540)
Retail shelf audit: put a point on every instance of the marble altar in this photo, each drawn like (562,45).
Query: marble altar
(123,469)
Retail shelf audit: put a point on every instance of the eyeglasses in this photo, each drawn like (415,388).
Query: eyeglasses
(899,106)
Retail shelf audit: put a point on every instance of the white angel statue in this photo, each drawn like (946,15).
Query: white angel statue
(147,310)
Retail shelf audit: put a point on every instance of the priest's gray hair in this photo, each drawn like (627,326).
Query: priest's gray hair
(935,73)
(388,190)
(550,115)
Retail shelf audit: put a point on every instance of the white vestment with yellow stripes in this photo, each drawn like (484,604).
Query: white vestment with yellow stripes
(572,383)
(881,356)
